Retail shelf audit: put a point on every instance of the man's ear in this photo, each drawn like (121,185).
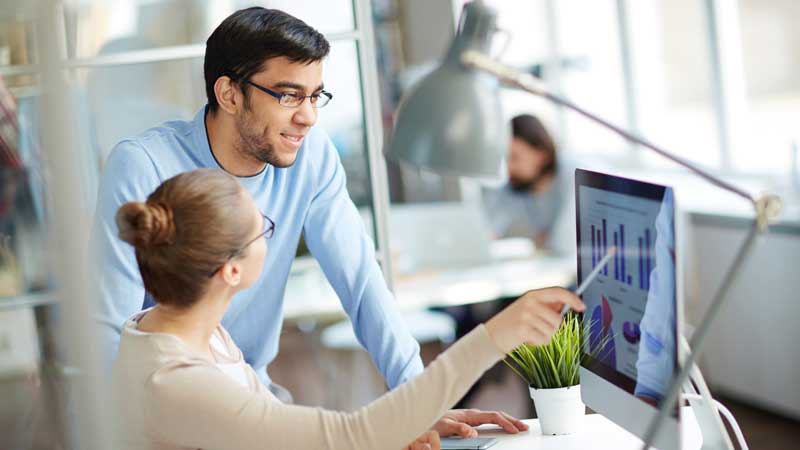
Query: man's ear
(228,94)
(232,273)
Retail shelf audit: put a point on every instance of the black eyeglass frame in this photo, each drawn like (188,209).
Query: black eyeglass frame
(281,96)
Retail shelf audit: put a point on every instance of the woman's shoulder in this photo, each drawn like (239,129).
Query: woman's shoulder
(144,351)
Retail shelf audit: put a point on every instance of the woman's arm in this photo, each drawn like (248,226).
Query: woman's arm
(199,406)
(195,405)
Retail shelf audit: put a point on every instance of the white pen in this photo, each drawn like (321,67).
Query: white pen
(611,252)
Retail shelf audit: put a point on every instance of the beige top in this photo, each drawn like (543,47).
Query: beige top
(172,398)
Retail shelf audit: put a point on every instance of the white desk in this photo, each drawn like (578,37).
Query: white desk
(309,295)
(598,433)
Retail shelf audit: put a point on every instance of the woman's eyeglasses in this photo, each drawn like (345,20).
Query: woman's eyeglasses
(266,233)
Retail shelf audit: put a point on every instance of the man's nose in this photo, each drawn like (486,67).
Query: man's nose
(306,114)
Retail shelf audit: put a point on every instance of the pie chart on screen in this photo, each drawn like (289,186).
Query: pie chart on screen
(631,332)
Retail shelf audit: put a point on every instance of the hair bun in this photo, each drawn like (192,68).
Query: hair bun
(145,224)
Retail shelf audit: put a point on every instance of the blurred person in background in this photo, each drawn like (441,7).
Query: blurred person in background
(529,203)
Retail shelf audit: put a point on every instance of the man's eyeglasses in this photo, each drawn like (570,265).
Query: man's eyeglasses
(267,232)
(289,99)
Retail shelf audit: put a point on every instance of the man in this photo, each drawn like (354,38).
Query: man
(263,73)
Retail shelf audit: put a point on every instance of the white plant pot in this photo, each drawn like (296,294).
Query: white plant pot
(560,410)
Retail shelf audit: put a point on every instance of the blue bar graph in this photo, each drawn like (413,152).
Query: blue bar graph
(599,247)
(605,247)
(647,257)
(622,276)
(594,250)
(641,265)
(617,275)
(644,260)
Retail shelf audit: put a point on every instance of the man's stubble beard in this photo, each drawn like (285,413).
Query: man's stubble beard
(519,185)
(253,145)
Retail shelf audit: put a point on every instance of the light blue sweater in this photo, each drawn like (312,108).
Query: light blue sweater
(309,197)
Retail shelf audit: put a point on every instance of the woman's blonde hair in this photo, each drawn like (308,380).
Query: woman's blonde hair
(190,226)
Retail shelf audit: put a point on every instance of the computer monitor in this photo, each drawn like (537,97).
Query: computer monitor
(632,315)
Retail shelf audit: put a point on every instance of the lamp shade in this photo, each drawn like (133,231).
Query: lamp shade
(451,121)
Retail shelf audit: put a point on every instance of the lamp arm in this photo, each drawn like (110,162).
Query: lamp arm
(767,209)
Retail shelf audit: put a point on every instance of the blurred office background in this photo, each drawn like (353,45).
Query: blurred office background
(716,81)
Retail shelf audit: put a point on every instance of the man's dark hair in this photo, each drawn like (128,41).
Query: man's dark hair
(531,130)
(241,44)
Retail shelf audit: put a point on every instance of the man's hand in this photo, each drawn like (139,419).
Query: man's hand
(428,441)
(460,422)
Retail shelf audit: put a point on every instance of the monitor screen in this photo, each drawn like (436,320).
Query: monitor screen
(631,307)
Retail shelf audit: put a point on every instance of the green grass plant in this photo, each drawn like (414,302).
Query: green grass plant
(557,363)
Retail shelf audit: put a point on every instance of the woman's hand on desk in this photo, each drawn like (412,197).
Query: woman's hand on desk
(532,318)
(460,422)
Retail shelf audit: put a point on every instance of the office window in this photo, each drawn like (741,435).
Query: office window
(522,26)
(591,74)
(574,46)
(672,80)
(128,99)
(343,118)
(523,42)
(770,47)
(94,26)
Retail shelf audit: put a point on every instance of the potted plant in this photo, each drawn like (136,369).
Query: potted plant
(552,372)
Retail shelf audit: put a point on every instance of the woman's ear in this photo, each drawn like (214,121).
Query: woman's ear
(232,273)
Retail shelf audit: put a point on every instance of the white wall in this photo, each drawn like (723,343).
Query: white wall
(752,350)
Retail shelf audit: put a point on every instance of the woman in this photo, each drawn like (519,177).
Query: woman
(180,380)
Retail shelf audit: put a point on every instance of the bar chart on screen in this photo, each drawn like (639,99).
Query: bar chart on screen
(633,262)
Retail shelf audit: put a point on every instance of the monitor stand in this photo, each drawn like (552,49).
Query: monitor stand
(715,436)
